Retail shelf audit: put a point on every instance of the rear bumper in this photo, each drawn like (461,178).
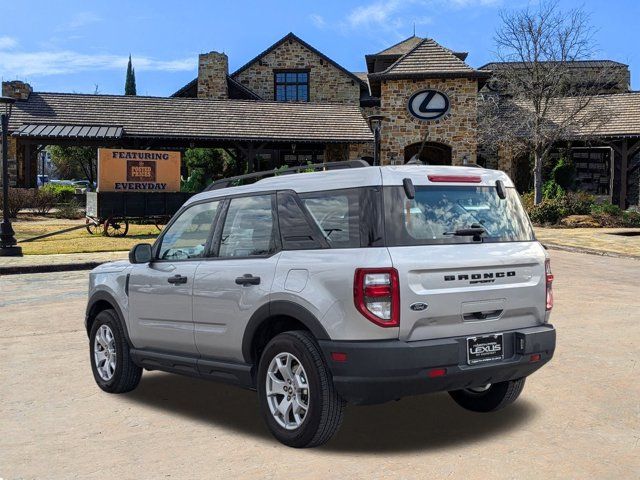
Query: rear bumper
(379,371)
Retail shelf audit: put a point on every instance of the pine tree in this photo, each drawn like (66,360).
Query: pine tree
(130,82)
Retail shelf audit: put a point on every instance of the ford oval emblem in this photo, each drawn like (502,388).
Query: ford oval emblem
(418,306)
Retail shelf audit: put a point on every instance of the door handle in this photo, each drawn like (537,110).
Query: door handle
(248,279)
(177,279)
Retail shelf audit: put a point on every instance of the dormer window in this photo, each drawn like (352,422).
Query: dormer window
(292,86)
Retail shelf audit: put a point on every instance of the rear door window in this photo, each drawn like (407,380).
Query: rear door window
(337,215)
(249,227)
(442,214)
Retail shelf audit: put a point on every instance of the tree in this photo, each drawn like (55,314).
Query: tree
(538,100)
(130,82)
(204,166)
(75,162)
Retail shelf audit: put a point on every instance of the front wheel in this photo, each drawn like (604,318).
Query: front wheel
(111,363)
(297,397)
(489,398)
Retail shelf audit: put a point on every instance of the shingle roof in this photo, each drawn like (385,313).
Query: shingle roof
(192,118)
(428,58)
(402,47)
(621,112)
(574,64)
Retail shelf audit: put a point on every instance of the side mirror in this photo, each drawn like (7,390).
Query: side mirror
(140,253)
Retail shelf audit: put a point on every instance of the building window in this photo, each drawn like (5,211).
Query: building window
(292,86)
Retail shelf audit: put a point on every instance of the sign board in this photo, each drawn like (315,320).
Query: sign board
(428,105)
(138,170)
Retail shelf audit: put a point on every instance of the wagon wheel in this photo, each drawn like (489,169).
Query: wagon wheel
(160,222)
(116,226)
(93,226)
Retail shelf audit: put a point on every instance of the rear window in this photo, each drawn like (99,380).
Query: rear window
(447,214)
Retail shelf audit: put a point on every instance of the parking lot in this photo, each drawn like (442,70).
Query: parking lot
(579,417)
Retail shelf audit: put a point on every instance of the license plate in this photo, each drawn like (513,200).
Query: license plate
(488,348)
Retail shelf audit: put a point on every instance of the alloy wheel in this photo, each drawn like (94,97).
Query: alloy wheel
(104,352)
(287,390)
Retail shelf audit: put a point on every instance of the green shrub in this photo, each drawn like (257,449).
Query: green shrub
(606,209)
(550,190)
(63,193)
(70,210)
(631,218)
(564,173)
(546,212)
(578,203)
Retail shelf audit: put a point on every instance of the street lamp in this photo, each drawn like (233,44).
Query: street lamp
(375,121)
(8,247)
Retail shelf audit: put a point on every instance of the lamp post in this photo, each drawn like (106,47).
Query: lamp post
(375,121)
(8,242)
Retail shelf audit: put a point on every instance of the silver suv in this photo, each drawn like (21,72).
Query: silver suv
(358,285)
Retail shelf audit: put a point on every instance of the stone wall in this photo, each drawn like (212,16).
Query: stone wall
(16,89)
(360,150)
(213,68)
(20,91)
(326,82)
(457,129)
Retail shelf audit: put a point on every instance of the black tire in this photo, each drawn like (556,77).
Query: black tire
(496,397)
(127,374)
(326,408)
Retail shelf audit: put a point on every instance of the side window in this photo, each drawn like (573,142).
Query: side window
(337,213)
(295,231)
(248,228)
(187,237)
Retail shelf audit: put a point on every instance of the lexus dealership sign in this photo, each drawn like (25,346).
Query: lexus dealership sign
(428,105)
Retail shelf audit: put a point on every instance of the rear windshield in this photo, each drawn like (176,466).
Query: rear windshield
(448,214)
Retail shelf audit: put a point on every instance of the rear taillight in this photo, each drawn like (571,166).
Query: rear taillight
(549,281)
(376,294)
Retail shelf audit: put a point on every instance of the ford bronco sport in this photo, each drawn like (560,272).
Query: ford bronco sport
(358,285)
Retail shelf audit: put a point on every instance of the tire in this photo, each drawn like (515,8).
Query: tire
(126,374)
(496,397)
(325,408)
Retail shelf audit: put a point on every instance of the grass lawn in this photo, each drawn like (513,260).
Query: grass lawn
(77,241)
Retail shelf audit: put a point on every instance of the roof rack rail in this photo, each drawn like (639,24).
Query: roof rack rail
(229,182)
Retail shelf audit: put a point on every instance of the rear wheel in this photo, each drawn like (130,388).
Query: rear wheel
(297,397)
(116,227)
(489,398)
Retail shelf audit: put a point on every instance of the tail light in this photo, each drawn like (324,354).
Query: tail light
(549,280)
(376,294)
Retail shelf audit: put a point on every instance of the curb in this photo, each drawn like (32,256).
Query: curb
(62,267)
(589,251)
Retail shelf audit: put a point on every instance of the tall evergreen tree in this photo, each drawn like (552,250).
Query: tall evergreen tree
(130,82)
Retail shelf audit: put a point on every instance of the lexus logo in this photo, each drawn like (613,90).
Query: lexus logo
(428,105)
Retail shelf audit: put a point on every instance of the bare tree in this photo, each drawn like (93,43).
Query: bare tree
(539,96)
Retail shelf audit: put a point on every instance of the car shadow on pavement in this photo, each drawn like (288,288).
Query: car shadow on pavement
(427,422)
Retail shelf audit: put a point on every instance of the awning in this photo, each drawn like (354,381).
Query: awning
(35,130)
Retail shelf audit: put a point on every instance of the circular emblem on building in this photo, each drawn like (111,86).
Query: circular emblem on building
(428,105)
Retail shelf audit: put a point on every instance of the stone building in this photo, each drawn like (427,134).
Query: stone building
(292,104)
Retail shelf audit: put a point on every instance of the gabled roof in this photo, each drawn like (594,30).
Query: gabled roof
(190,118)
(292,37)
(427,59)
(236,90)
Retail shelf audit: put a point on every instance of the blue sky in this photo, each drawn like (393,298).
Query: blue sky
(74,45)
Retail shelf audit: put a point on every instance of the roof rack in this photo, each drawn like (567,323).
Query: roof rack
(231,181)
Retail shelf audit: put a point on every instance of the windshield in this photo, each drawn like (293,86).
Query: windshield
(447,214)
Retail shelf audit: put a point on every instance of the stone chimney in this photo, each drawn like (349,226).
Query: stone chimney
(213,68)
(16,89)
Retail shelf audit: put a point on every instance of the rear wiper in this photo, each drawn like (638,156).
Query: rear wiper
(474,230)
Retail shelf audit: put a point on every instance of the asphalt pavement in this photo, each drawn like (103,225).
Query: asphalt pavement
(578,417)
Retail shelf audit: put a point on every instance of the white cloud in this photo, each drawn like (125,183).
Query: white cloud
(22,64)
(379,12)
(7,43)
(318,20)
